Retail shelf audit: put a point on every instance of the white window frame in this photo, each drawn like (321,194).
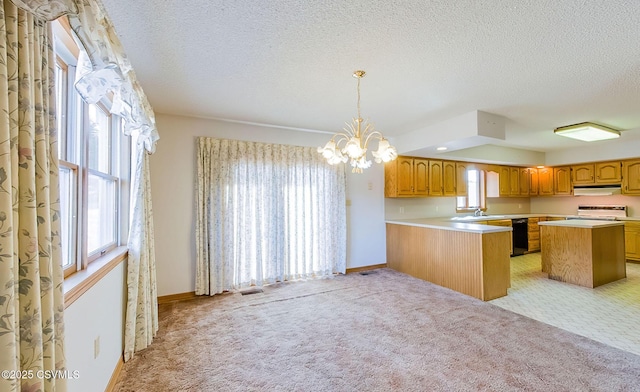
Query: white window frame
(73,149)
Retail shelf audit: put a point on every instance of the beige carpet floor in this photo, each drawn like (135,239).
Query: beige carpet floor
(384,331)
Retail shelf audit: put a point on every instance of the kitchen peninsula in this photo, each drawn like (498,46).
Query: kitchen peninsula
(588,253)
(469,258)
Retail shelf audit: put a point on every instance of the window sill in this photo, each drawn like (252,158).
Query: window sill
(81,281)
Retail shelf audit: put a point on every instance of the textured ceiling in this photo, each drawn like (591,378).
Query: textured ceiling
(538,63)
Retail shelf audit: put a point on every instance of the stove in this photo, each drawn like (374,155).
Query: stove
(601,212)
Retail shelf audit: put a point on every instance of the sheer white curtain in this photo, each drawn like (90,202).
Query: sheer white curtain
(266,213)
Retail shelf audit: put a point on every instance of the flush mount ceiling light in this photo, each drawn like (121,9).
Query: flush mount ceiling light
(441,148)
(356,140)
(588,132)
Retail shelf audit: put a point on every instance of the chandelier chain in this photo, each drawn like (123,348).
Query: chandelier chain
(359,98)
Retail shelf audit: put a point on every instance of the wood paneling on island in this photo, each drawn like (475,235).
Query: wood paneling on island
(476,264)
(585,256)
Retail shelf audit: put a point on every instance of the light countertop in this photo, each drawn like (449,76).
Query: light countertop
(446,224)
(582,223)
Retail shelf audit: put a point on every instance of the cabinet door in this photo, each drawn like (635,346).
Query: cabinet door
(562,180)
(449,178)
(583,174)
(525,182)
(405,176)
(435,178)
(514,181)
(608,172)
(391,179)
(533,182)
(631,177)
(533,233)
(632,240)
(545,181)
(461,179)
(421,177)
(505,175)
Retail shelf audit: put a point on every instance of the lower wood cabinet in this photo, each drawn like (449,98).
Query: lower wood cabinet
(632,240)
(533,234)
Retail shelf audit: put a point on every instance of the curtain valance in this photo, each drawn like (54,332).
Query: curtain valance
(107,68)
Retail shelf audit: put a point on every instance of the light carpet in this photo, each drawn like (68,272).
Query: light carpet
(384,331)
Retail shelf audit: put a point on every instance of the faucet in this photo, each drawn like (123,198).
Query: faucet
(478,212)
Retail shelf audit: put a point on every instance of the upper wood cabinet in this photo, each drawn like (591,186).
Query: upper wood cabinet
(631,177)
(525,181)
(545,181)
(608,172)
(533,182)
(597,173)
(449,183)
(406,177)
(461,179)
(505,181)
(420,177)
(514,181)
(435,178)
(583,174)
(562,180)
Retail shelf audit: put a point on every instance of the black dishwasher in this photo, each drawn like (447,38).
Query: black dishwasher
(520,236)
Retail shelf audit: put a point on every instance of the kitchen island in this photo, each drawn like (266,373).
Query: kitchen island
(588,253)
(472,259)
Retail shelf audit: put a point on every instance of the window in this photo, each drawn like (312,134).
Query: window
(476,194)
(94,165)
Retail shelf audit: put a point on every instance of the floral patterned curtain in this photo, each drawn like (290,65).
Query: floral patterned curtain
(107,70)
(31,295)
(266,213)
(142,307)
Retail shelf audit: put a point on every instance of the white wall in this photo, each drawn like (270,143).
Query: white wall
(97,313)
(628,146)
(569,204)
(432,207)
(173,184)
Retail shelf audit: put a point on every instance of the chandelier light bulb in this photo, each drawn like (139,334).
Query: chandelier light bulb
(353,148)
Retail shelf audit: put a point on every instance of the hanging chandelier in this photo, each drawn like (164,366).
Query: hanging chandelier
(352,143)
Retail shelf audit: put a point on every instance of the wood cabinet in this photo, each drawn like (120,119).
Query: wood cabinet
(509,179)
(632,240)
(597,173)
(608,172)
(461,179)
(406,177)
(525,181)
(562,180)
(533,234)
(533,182)
(435,178)
(504,174)
(545,181)
(514,181)
(631,177)
(583,174)
(449,183)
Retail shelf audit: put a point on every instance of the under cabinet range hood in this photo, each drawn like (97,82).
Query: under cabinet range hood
(596,190)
